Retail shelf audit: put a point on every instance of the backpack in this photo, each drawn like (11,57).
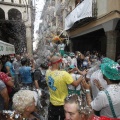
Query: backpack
(41,80)
(36,70)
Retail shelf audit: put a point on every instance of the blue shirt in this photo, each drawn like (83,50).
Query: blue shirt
(25,74)
(10,65)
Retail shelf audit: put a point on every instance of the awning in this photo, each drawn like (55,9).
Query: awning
(6,48)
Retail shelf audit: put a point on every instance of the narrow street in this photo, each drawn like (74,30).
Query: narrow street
(59,60)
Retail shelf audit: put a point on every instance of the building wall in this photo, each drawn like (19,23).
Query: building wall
(108,16)
(101,7)
(113,5)
(23,11)
(106,6)
(103,17)
(72,4)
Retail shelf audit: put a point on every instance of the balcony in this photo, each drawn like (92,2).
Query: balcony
(83,13)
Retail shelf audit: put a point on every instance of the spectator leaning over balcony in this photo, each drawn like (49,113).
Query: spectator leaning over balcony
(57,82)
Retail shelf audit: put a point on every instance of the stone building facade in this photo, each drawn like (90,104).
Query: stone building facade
(15,24)
(99,31)
(53,19)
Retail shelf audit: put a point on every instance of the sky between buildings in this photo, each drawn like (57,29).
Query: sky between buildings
(39,4)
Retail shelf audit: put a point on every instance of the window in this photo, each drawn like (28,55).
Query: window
(12,1)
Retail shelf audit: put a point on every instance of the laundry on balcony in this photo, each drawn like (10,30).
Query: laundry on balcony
(82,11)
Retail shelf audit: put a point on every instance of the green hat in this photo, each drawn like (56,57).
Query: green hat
(72,54)
(106,60)
(110,70)
(65,55)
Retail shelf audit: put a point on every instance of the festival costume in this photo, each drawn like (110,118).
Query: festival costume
(62,47)
(72,89)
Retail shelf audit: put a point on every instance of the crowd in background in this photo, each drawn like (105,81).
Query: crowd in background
(89,80)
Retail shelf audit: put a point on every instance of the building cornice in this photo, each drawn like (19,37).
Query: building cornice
(14,4)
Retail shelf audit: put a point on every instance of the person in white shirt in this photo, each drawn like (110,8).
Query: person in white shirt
(64,61)
(61,48)
(102,102)
(97,76)
(69,60)
(92,70)
(76,74)
(73,59)
(72,89)
(107,101)
(16,66)
(96,80)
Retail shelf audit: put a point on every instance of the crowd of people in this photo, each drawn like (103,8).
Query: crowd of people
(81,86)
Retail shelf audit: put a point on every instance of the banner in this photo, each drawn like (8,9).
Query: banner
(82,11)
(6,48)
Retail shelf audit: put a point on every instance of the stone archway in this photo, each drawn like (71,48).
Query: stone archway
(14,32)
(14,14)
(2,14)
